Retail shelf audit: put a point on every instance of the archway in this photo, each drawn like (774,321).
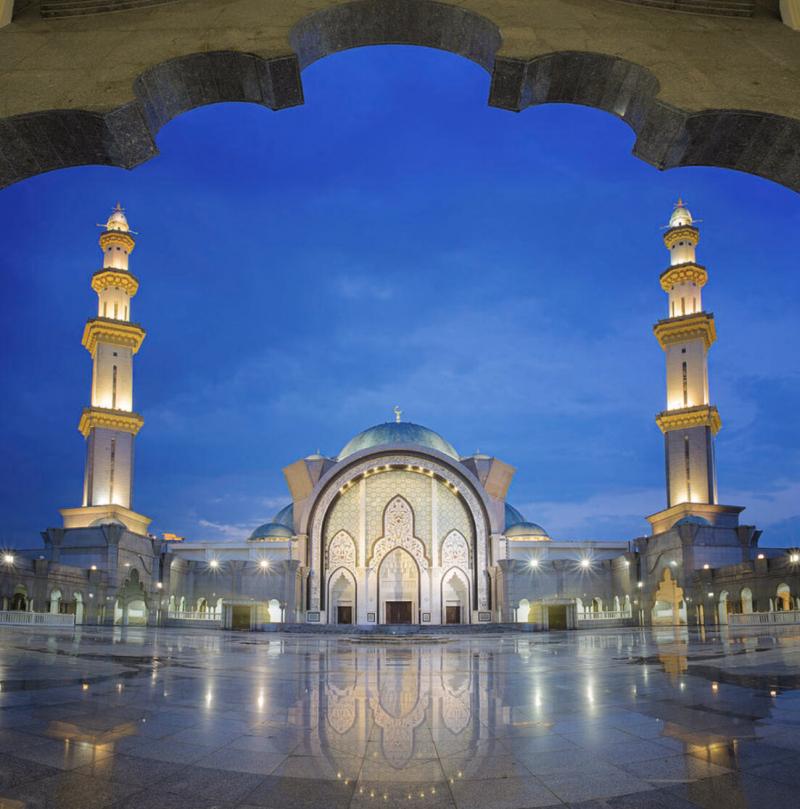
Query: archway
(783,599)
(137,612)
(55,601)
(627,604)
(523,610)
(746,598)
(669,607)
(542,60)
(455,597)
(398,588)
(722,608)
(342,597)
(19,601)
(79,607)
(597,605)
(274,611)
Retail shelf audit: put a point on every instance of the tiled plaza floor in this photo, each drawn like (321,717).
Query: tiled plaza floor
(172,719)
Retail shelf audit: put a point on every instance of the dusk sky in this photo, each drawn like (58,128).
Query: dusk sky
(397,241)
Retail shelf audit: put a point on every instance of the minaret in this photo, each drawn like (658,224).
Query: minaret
(109,424)
(689,422)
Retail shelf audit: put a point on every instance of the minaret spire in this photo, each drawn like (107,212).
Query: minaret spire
(110,424)
(689,422)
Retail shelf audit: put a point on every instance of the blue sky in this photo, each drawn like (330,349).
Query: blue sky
(397,241)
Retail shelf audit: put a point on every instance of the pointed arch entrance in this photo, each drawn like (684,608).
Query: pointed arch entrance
(398,588)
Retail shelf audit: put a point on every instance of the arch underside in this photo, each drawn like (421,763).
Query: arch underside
(666,137)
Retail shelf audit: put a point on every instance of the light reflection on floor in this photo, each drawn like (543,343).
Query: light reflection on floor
(143,718)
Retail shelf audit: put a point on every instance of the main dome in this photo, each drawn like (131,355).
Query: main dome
(397,432)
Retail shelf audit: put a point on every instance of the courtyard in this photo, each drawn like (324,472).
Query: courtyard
(168,718)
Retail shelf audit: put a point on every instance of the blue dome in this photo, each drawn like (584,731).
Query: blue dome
(285,517)
(397,432)
(271,530)
(692,519)
(523,530)
(513,517)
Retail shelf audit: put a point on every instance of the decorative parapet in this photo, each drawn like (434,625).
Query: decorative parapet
(680,233)
(121,279)
(117,238)
(106,330)
(682,274)
(121,420)
(687,417)
(687,327)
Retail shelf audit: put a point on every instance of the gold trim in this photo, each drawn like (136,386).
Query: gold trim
(682,274)
(683,232)
(105,278)
(688,417)
(118,332)
(687,327)
(122,420)
(117,237)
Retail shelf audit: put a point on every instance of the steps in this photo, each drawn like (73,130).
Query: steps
(51,9)
(719,8)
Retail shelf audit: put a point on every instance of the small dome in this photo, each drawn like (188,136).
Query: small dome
(285,516)
(271,530)
(692,519)
(680,216)
(526,530)
(117,220)
(513,517)
(397,432)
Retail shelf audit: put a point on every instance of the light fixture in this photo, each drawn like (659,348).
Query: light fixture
(93,567)
(585,563)
(674,563)
(706,566)
(640,584)
(534,562)
(794,558)
(627,563)
(760,556)
(8,558)
(711,595)
(213,563)
(773,693)
(159,584)
(264,564)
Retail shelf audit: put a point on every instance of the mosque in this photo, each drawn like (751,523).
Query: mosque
(399,527)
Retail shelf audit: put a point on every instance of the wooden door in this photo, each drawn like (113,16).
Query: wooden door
(344,615)
(398,612)
(452,615)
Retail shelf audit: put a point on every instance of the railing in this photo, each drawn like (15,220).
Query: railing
(764,618)
(174,615)
(607,615)
(21,618)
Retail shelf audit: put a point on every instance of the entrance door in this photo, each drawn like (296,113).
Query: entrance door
(344,615)
(398,612)
(240,617)
(557,616)
(452,615)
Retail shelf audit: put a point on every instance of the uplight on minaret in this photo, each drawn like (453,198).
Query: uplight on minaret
(110,424)
(690,421)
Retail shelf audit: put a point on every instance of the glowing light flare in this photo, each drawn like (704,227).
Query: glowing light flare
(8,558)
(263,564)
(533,562)
(213,564)
(585,563)
(794,558)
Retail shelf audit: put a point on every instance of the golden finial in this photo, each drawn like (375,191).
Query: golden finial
(397,413)
(679,203)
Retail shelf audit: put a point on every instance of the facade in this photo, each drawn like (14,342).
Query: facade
(399,527)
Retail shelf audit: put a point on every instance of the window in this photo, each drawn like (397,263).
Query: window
(683,306)
(111,469)
(685,385)
(688,469)
(114,387)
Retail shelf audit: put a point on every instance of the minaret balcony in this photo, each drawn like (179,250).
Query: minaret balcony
(117,238)
(686,327)
(119,279)
(687,417)
(107,330)
(123,421)
(685,273)
(681,233)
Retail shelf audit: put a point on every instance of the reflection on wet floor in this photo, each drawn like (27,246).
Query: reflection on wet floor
(141,718)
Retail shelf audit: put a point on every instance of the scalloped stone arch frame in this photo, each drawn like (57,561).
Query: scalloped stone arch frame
(500,35)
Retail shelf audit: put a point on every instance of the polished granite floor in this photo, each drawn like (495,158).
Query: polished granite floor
(172,719)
